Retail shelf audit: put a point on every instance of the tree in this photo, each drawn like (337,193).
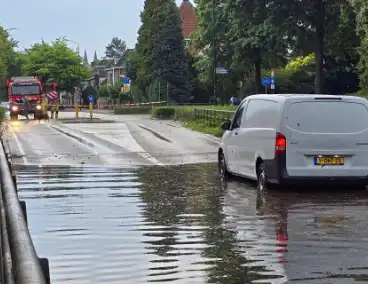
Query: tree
(361,9)
(254,37)
(8,55)
(132,65)
(306,24)
(116,48)
(55,61)
(169,58)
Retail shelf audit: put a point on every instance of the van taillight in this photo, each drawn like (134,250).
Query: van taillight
(280,145)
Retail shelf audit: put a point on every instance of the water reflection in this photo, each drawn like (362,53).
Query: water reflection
(209,247)
(183,225)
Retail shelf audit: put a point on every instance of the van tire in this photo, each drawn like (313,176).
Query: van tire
(224,173)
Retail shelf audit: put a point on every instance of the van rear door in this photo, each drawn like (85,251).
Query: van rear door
(326,137)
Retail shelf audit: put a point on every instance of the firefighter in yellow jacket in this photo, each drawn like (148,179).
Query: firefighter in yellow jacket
(55,108)
(44,104)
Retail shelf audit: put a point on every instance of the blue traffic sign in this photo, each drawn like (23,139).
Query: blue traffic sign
(90,98)
(273,80)
(266,81)
(126,81)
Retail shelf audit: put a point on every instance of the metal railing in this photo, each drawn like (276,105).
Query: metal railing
(213,117)
(19,261)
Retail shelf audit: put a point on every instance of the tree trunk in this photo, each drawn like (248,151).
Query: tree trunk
(320,34)
(257,67)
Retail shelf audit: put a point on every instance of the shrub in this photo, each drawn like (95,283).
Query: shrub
(3,112)
(133,110)
(164,112)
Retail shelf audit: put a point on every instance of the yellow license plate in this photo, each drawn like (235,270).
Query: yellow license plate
(334,161)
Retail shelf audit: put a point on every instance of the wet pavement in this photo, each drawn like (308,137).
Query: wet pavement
(180,224)
(101,217)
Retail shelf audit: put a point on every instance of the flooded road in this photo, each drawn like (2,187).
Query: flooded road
(180,224)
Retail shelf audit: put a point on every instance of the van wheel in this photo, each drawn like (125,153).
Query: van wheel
(222,166)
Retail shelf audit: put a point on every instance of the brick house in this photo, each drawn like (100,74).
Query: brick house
(188,18)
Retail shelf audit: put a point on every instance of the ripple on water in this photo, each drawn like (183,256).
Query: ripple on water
(181,225)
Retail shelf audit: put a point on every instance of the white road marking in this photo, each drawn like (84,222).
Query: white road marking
(117,134)
(62,131)
(19,146)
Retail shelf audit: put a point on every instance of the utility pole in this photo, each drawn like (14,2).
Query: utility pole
(167,93)
(214,48)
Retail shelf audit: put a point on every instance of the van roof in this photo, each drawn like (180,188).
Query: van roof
(284,97)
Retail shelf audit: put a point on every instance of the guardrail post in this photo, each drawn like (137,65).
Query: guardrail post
(24,209)
(44,262)
(14,178)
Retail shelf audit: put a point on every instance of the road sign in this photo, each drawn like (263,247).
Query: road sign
(221,70)
(272,86)
(90,98)
(266,82)
(126,81)
(272,80)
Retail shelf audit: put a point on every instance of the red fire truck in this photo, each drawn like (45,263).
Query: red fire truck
(25,87)
(32,88)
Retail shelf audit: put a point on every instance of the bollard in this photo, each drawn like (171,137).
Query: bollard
(91,110)
(76,110)
(44,262)
(24,209)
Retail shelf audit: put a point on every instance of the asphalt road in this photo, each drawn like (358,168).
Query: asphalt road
(138,201)
(128,140)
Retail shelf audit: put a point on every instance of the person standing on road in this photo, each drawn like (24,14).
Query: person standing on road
(26,107)
(54,106)
(44,105)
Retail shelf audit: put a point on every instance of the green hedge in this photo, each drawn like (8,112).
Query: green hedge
(133,110)
(164,112)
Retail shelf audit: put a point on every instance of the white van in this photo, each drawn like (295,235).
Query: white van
(296,138)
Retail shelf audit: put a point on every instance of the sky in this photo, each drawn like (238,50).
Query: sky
(91,23)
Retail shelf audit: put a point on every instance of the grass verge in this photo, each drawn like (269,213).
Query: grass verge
(202,126)
(208,122)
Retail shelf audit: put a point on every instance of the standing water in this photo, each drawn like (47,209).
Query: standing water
(182,225)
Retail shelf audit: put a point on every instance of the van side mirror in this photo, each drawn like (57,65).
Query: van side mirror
(226,125)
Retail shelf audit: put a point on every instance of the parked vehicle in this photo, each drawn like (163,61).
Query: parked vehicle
(291,139)
(24,87)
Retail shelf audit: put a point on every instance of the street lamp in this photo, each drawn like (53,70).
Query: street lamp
(10,29)
(68,40)
(79,87)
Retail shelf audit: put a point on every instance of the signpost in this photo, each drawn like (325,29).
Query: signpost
(266,82)
(222,70)
(90,100)
(273,81)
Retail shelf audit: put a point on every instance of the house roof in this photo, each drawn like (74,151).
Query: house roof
(188,18)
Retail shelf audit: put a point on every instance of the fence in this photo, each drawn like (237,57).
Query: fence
(212,116)
(19,261)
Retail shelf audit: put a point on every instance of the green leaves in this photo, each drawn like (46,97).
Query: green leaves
(56,61)
(116,48)
(160,51)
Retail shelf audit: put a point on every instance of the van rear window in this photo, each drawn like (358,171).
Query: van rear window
(327,117)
